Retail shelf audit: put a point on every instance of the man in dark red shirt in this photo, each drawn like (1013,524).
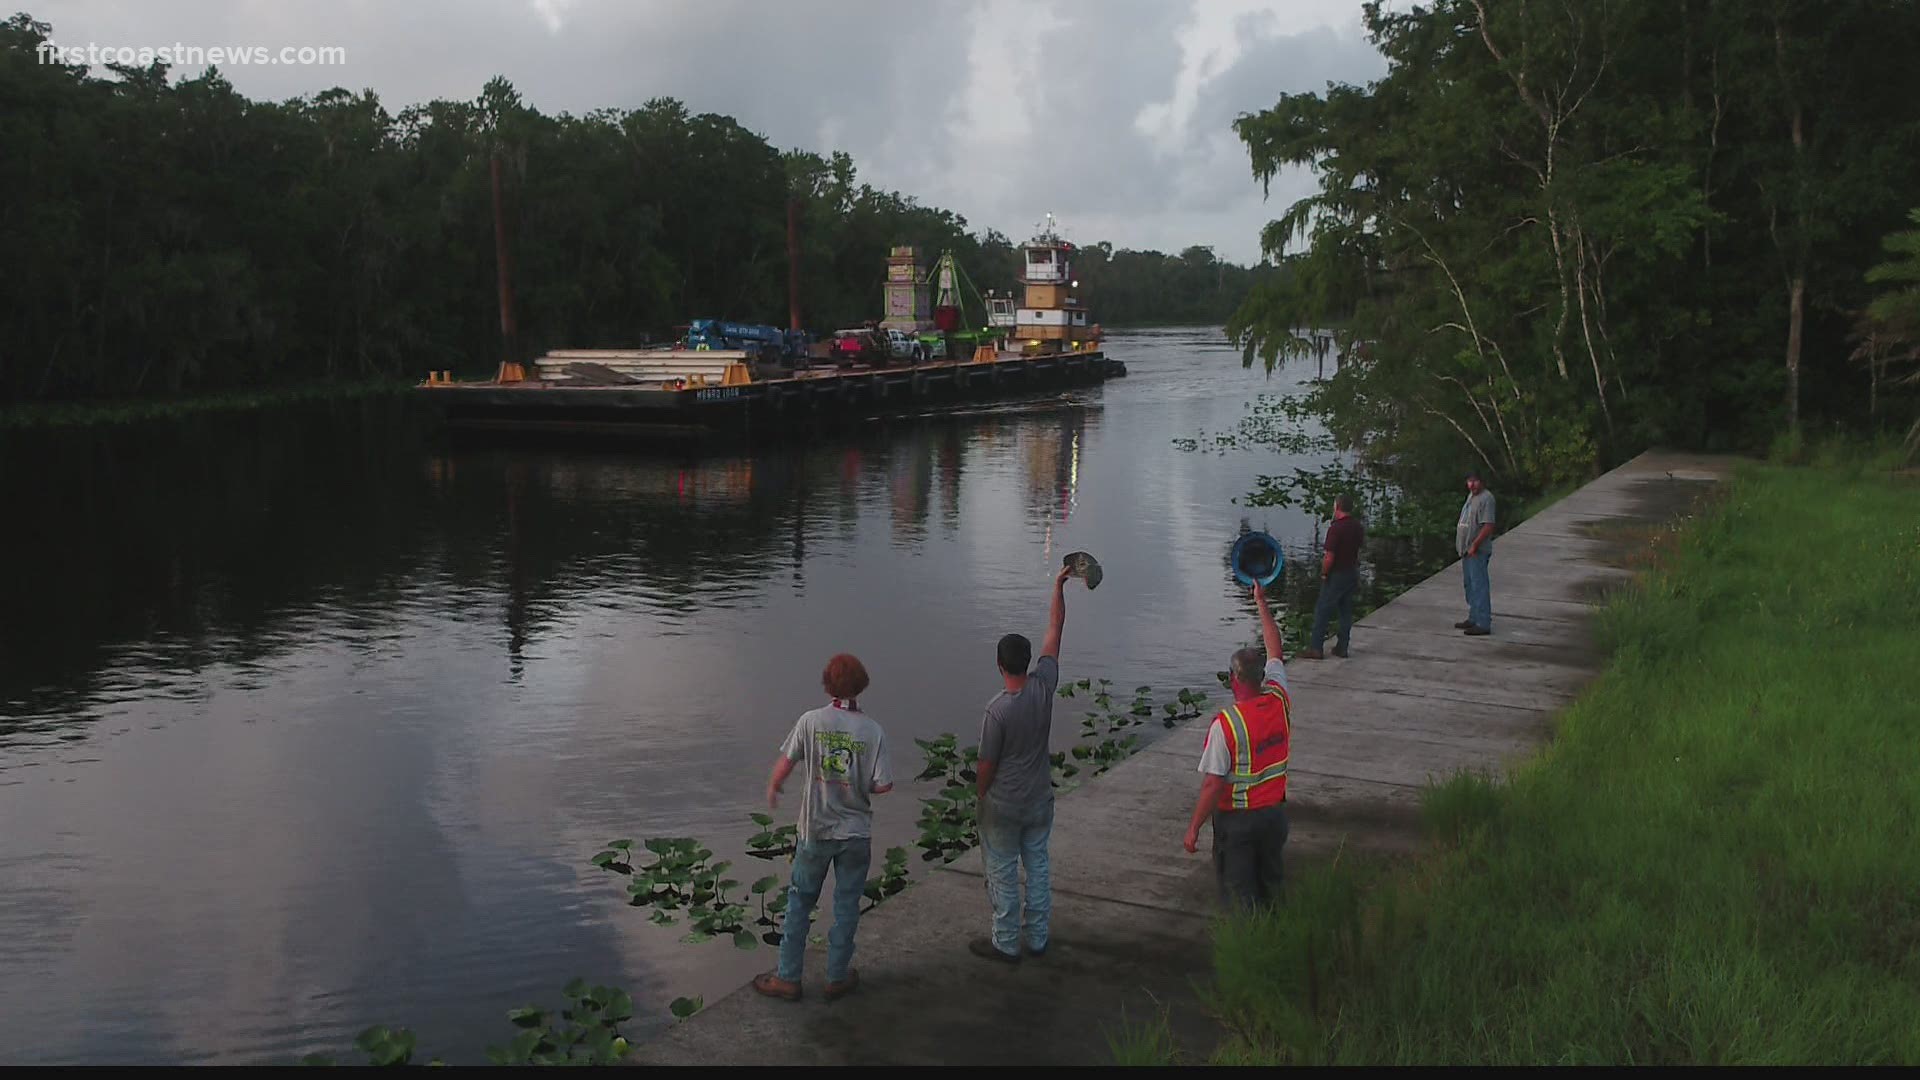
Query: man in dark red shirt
(1339,578)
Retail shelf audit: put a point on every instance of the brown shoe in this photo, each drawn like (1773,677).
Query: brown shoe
(1309,654)
(1463,624)
(838,990)
(773,986)
(1478,631)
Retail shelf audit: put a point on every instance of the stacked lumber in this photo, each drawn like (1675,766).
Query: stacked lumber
(642,366)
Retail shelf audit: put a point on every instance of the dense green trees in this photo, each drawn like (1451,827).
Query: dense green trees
(1147,287)
(1555,232)
(1887,334)
(162,235)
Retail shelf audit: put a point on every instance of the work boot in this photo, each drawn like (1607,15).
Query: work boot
(838,990)
(772,985)
(1478,631)
(985,949)
(1463,624)
(1310,654)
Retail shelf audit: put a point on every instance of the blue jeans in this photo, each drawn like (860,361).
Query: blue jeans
(1336,594)
(1010,838)
(1479,589)
(849,860)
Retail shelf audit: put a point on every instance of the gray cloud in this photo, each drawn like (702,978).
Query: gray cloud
(1113,114)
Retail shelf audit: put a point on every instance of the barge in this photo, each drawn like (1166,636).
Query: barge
(799,401)
(1046,345)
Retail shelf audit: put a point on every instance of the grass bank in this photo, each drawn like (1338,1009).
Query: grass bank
(61,414)
(1716,861)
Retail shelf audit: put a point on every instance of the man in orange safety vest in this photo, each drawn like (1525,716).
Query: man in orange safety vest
(1244,769)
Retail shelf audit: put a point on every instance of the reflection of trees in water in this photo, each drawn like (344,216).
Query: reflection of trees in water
(219,541)
(951,452)
(910,472)
(227,540)
(194,539)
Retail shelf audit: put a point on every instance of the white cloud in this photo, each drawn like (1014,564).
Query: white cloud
(553,13)
(1115,114)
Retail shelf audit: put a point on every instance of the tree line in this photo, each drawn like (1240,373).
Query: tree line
(164,235)
(1556,232)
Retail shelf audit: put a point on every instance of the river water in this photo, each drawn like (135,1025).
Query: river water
(309,721)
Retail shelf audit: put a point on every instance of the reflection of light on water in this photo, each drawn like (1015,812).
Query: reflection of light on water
(729,481)
(1073,478)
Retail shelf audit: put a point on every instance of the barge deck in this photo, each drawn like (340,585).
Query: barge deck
(770,406)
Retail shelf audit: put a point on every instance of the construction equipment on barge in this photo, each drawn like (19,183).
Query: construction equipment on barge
(764,383)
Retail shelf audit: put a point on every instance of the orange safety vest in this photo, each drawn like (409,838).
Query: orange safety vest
(1258,733)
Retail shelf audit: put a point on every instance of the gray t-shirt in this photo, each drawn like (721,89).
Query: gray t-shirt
(1474,513)
(843,755)
(1017,735)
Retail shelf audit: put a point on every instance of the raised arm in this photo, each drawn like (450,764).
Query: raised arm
(1057,618)
(1269,631)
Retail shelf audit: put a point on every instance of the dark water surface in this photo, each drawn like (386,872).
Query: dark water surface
(308,722)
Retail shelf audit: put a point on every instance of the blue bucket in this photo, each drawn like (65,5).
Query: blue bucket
(1256,558)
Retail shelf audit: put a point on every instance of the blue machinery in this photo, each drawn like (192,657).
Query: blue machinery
(760,342)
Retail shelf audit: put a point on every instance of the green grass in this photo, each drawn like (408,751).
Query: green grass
(1716,862)
(1147,1044)
(62,414)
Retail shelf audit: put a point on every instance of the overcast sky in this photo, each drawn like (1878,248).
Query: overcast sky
(1112,114)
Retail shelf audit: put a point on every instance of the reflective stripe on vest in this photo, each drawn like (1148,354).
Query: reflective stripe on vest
(1243,779)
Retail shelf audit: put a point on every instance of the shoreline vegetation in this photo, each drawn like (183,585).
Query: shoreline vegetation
(1712,862)
(107,412)
(1554,235)
(169,235)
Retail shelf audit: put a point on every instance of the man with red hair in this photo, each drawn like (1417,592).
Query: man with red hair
(843,755)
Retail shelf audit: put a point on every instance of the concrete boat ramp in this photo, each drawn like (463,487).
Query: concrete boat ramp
(1417,700)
